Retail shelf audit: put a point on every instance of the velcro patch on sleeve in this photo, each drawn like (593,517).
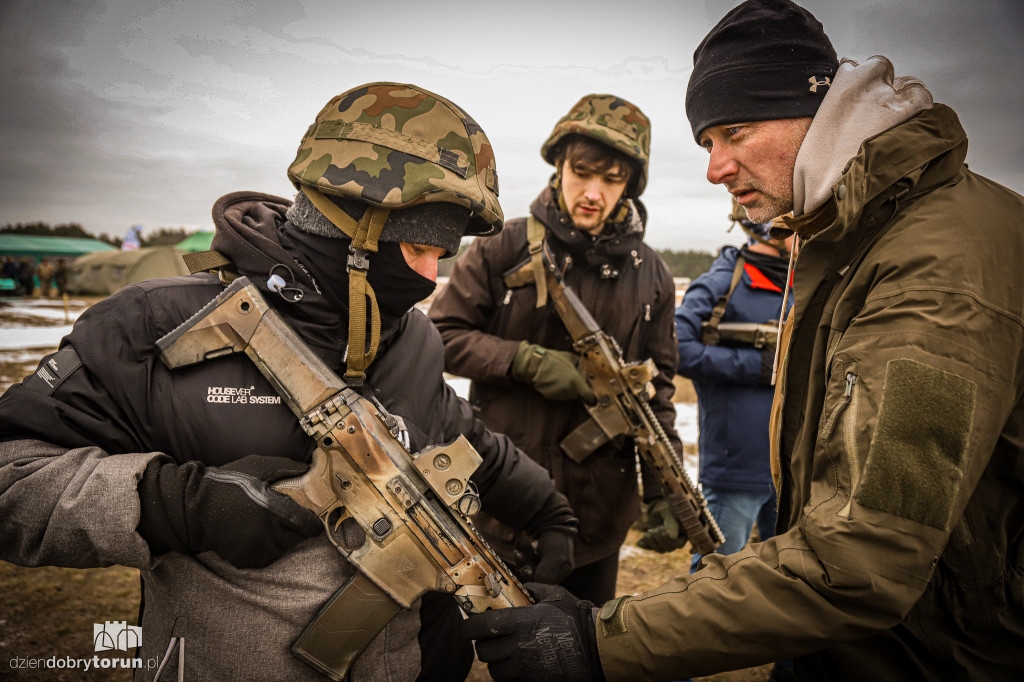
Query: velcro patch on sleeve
(54,371)
(916,460)
(611,617)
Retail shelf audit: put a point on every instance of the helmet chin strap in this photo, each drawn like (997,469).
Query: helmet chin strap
(364,235)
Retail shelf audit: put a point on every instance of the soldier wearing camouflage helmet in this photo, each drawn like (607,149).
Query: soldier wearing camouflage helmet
(589,223)
(108,457)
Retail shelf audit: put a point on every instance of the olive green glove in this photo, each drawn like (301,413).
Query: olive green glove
(553,373)
(662,528)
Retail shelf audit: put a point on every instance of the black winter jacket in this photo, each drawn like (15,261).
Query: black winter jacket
(74,454)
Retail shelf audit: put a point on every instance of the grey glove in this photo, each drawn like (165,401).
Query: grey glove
(231,510)
(553,373)
(662,528)
(554,640)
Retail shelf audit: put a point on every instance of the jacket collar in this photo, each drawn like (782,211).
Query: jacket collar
(609,250)
(897,165)
(248,232)
(864,100)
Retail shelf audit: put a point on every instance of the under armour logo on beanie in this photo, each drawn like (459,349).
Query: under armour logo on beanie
(756,64)
(819,82)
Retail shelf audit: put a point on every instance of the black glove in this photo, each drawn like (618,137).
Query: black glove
(767,364)
(230,510)
(553,373)
(548,559)
(554,640)
(662,528)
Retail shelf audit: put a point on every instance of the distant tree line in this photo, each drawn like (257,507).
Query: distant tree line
(165,236)
(44,230)
(687,263)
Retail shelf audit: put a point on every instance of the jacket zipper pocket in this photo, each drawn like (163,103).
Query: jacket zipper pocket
(826,431)
(850,438)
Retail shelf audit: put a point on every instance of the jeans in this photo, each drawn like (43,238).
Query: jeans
(736,511)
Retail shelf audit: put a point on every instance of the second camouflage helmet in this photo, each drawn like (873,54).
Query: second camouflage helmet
(613,121)
(396,145)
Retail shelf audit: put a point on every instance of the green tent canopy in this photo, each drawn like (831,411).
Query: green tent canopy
(39,246)
(197,241)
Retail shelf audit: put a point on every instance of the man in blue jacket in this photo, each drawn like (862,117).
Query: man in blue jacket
(732,379)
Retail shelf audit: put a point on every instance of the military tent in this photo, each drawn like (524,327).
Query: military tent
(103,273)
(197,241)
(38,246)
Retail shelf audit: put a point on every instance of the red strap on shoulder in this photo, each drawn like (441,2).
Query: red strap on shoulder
(758,280)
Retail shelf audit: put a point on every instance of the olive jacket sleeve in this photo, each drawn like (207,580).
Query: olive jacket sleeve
(910,421)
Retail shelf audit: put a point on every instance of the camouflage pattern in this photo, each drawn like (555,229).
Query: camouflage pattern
(396,145)
(613,121)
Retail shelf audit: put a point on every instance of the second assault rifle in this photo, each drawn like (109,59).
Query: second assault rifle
(400,518)
(755,334)
(623,391)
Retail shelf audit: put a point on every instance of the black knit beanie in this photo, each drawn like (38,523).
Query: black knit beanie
(434,224)
(765,60)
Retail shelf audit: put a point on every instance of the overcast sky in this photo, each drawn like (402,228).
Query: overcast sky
(142,111)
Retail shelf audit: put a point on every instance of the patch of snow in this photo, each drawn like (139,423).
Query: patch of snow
(21,355)
(460,384)
(44,312)
(627,551)
(14,338)
(686,422)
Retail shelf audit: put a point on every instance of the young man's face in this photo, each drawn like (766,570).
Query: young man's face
(755,162)
(590,195)
(422,258)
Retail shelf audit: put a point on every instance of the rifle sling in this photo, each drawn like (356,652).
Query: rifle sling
(709,331)
(532,270)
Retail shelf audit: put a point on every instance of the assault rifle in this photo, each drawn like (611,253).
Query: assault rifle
(401,519)
(755,334)
(623,391)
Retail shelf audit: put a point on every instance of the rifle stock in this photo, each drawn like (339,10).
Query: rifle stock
(400,519)
(755,334)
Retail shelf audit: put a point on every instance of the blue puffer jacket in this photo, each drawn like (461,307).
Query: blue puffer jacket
(733,405)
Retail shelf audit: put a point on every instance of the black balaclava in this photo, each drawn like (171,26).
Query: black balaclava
(397,286)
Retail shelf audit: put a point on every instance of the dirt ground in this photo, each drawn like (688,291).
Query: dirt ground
(50,612)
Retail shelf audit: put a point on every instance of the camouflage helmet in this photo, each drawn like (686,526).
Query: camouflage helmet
(613,121)
(396,145)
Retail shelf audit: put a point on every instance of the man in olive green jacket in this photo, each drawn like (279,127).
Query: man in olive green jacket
(898,425)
